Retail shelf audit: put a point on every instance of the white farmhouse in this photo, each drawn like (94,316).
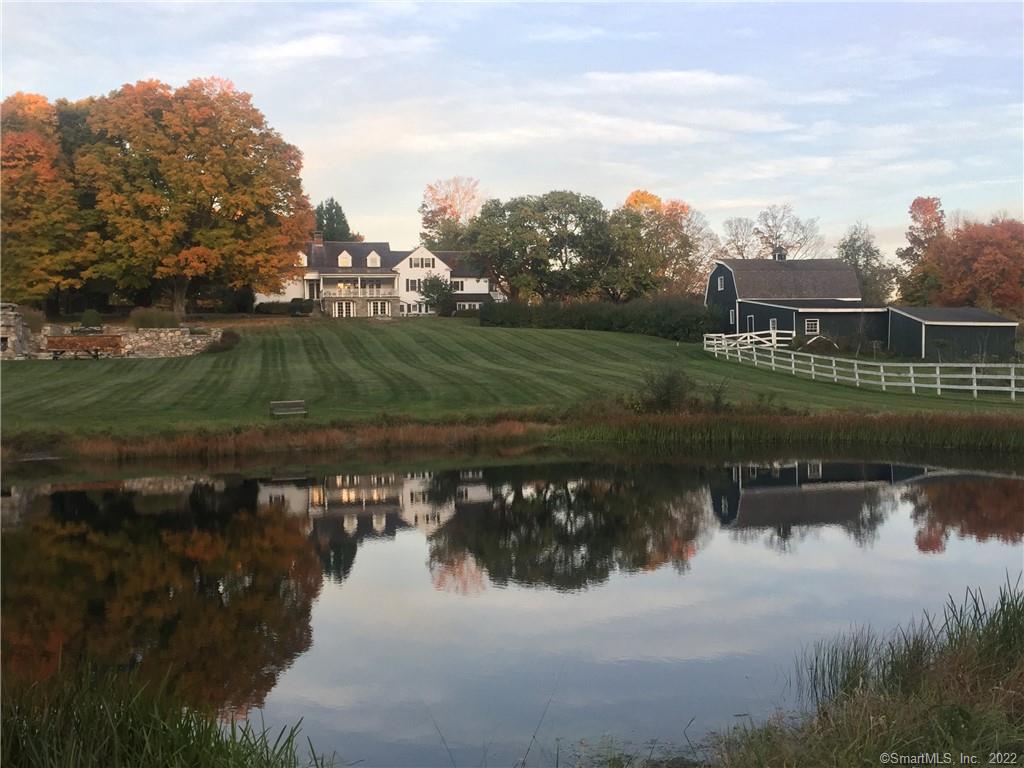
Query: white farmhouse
(370,279)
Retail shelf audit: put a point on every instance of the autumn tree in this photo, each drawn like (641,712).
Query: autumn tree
(779,227)
(192,183)
(332,222)
(447,207)
(927,224)
(40,226)
(978,265)
(876,277)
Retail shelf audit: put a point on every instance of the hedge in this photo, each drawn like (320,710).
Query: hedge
(681,319)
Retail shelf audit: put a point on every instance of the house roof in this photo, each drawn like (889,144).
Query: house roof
(797,279)
(459,263)
(940,315)
(472,297)
(804,305)
(325,257)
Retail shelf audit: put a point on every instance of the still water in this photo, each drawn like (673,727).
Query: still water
(387,609)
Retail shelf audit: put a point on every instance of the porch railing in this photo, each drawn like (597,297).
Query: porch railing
(368,292)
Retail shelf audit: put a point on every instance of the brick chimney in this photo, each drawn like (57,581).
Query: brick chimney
(318,238)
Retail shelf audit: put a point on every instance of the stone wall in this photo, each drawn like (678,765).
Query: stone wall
(163,342)
(15,335)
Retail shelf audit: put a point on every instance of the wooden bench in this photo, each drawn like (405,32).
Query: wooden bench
(97,345)
(288,408)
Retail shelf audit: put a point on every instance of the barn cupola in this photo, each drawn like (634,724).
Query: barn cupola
(779,253)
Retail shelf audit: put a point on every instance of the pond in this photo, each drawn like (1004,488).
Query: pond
(423,617)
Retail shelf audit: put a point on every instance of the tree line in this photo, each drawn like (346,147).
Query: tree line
(563,246)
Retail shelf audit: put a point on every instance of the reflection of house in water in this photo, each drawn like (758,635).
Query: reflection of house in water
(790,496)
(342,510)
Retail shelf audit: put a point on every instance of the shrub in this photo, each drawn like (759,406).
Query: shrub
(91,319)
(467,313)
(298,307)
(678,318)
(35,319)
(272,308)
(150,317)
(661,391)
(228,340)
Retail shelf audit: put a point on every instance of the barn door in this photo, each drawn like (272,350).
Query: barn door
(750,323)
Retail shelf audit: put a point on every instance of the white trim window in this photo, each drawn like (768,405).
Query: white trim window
(814,470)
(721,283)
(458,285)
(811,326)
(344,309)
(732,317)
(344,259)
(373,260)
(773,324)
(379,308)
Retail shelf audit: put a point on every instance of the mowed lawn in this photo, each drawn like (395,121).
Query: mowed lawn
(363,371)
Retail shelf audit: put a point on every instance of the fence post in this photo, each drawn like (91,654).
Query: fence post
(974,380)
(913,387)
(812,366)
(938,380)
(835,376)
(1013,382)
(881,374)
(773,358)
(792,363)
(856,374)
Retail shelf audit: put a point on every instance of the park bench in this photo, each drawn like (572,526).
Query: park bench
(288,408)
(96,345)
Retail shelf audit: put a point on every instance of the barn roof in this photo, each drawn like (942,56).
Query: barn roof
(796,279)
(941,315)
(809,305)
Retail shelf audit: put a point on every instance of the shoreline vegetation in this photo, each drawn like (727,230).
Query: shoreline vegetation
(949,683)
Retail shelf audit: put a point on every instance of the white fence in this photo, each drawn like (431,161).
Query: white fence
(761,350)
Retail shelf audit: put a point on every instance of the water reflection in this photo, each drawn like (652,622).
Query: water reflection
(213,579)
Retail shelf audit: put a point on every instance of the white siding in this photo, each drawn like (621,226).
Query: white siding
(407,272)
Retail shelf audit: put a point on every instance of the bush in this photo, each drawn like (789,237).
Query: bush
(91,319)
(467,313)
(150,317)
(228,340)
(661,391)
(272,308)
(298,307)
(35,319)
(681,319)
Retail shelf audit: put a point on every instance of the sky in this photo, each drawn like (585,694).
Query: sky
(845,111)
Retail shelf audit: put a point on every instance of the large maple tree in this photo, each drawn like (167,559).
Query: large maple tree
(191,183)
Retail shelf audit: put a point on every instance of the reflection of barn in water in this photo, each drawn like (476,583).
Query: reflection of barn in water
(784,498)
(343,510)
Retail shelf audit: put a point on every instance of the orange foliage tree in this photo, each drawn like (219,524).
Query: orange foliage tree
(39,226)
(447,207)
(191,183)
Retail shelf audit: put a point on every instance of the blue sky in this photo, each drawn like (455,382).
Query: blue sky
(845,111)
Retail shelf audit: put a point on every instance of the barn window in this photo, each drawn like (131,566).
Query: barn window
(811,326)
(773,324)
(732,317)
(721,283)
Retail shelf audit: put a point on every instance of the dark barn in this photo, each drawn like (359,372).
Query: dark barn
(834,318)
(947,334)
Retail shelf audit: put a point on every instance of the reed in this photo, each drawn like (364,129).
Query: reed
(953,683)
(97,719)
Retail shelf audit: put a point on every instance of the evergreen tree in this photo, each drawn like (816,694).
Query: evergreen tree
(330,219)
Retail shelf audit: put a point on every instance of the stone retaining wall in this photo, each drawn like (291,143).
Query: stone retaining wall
(141,342)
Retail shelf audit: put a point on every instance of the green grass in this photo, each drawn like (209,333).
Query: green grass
(367,371)
(92,719)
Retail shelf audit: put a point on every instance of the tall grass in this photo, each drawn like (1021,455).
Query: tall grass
(950,683)
(90,719)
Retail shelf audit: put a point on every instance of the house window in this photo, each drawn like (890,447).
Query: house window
(457,285)
(732,317)
(373,261)
(721,283)
(379,308)
(811,326)
(344,309)
(313,289)
(421,262)
(344,259)
(401,309)
(773,324)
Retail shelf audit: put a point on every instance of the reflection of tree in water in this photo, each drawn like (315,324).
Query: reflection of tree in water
(574,527)
(982,508)
(215,594)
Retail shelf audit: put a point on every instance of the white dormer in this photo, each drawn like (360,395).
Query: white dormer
(373,260)
(344,259)
(303,261)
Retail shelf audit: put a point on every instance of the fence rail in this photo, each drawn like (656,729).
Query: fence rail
(763,352)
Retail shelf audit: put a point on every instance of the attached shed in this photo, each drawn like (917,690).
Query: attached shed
(951,334)
(834,318)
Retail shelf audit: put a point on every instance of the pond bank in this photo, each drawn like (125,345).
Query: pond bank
(729,429)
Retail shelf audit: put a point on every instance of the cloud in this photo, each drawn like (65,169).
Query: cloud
(666,81)
(566,33)
(334,46)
